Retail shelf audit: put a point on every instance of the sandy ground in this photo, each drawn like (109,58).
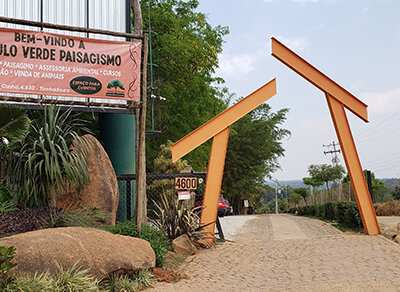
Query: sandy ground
(388,225)
(288,253)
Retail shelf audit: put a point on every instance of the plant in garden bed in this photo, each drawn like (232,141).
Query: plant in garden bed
(7,202)
(23,221)
(73,279)
(157,238)
(129,283)
(35,218)
(7,254)
(46,162)
(177,217)
(14,125)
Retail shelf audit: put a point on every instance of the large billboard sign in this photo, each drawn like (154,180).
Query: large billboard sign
(43,63)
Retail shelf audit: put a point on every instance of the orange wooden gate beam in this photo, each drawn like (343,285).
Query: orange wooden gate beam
(223,120)
(317,78)
(353,165)
(338,98)
(215,172)
(218,129)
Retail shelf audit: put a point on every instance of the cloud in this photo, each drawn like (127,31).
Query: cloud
(305,1)
(382,102)
(302,2)
(295,44)
(236,65)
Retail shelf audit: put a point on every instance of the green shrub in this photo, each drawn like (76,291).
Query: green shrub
(71,280)
(345,213)
(7,203)
(331,210)
(320,212)
(7,254)
(157,238)
(352,216)
(38,283)
(131,283)
(74,280)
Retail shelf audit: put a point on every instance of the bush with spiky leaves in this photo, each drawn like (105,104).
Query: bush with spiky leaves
(130,283)
(7,254)
(14,125)
(46,162)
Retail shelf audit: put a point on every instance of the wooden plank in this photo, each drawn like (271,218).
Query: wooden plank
(320,80)
(353,166)
(223,120)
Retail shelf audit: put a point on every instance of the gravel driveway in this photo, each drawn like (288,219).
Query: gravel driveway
(290,253)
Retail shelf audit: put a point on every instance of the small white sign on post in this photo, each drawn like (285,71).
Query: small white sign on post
(185,195)
(246,203)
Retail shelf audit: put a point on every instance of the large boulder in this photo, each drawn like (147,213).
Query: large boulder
(183,245)
(98,251)
(102,190)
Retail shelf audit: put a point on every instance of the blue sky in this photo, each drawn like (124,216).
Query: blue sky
(356,43)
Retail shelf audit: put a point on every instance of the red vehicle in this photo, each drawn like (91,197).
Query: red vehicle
(222,208)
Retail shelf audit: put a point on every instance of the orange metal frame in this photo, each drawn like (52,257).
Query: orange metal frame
(338,99)
(218,128)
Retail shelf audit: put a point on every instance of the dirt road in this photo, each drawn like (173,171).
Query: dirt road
(288,253)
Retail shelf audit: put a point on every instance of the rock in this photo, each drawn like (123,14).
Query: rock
(98,251)
(102,190)
(183,245)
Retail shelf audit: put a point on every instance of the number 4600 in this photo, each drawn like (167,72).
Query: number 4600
(185,183)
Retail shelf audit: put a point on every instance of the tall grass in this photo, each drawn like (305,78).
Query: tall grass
(391,208)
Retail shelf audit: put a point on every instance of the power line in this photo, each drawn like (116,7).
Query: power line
(384,157)
(378,164)
(373,128)
(334,152)
(380,136)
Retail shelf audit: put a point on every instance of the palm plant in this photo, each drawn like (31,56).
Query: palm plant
(14,125)
(51,159)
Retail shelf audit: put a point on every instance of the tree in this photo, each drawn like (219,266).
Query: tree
(115,84)
(46,162)
(325,173)
(295,199)
(253,151)
(396,193)
(185,49)
(378,186)
(311,182)
(304,192)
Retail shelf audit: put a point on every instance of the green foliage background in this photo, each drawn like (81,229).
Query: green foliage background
(185,50)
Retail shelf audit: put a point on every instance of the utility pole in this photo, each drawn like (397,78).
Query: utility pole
(335,159)
(276,200)
(349,190)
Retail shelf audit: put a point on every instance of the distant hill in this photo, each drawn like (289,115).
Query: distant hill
(391,182)
(298,183)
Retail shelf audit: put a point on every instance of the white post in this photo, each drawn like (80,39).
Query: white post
(276,200)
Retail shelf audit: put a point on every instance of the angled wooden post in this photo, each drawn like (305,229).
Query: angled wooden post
(218,129)
(215,172)
(338,98)
(353,165)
